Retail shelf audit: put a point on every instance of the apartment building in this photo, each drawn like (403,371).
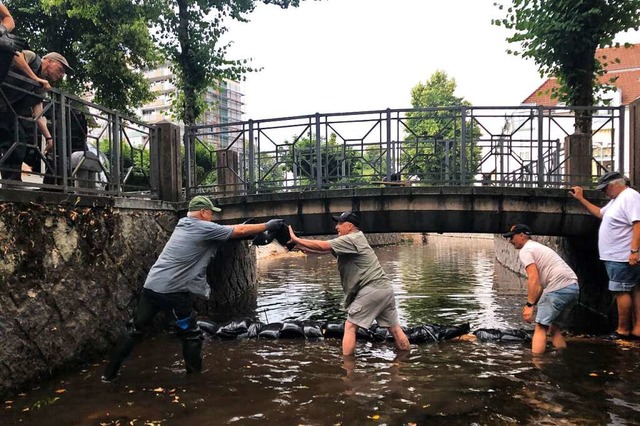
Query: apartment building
(224,101)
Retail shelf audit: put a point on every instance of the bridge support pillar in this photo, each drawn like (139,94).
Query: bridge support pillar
(578,151)
(232,275)
(166,162)
(228,164)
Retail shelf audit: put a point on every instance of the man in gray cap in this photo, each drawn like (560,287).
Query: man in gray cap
(368,291)
(618,244)
(27,101)
(180,275)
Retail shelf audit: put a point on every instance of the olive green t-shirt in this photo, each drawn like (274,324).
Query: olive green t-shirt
(357,263)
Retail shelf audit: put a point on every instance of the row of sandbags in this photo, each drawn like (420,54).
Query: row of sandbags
(248,328)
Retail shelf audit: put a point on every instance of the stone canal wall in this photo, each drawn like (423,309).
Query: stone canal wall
(68,274)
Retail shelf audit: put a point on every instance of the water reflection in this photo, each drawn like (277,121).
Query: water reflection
(309,382)
(445,282)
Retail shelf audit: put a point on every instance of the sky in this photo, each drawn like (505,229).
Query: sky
(354,55)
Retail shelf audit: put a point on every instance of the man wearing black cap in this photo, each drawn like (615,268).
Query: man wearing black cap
(368,292)
(551,285)
(178,276)
(618,244)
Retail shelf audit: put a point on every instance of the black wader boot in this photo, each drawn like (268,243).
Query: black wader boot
(192,347)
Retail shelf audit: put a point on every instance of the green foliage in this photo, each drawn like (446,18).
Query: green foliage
(105,41)
(189,33)
(432,149)
(135,164)
(340,163)
(271,170)
(562,36)
(206,164)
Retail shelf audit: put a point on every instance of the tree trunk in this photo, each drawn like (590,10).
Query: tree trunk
(189,117)
(233,279)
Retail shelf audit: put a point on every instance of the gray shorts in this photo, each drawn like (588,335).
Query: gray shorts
(373,303)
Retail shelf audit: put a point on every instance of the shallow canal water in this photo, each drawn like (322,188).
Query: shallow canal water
(292,382)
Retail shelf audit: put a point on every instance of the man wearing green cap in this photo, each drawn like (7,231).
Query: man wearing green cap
(178,276)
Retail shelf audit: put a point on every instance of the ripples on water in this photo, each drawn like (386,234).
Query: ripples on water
(306,382)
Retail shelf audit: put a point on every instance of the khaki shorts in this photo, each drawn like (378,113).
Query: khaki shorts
(374,303)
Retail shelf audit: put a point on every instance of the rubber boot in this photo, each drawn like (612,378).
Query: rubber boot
(121,351)
(191,350)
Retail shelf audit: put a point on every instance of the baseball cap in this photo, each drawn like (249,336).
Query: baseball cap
(55,56)
(607,178)
(200,202)
(517,229)
(348,217)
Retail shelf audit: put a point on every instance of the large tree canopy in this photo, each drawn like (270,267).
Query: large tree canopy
(107,42)
(190,33)
(432,149)
(562,36)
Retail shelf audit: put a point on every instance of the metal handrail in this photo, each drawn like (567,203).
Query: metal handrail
(466,145)
(97,150)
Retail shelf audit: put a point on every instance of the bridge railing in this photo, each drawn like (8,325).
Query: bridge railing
(499,146)
(96,150)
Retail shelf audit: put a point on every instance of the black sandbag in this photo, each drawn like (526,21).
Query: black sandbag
(12,43)
(363,334)
(488,334)
(208,327)
(281,235)
(284,239)
(234,328)
(312,330)
(515,335)
(270,331)
(292,330)
(263,238)
(423,334)
(333,330)
(447,332)
(380,334)
(254,330)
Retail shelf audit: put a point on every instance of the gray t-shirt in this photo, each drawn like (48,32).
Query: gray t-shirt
(357,263)
(182,265)
(554,273)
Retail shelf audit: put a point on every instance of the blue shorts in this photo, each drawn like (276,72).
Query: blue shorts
(622,276)
(554,307)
